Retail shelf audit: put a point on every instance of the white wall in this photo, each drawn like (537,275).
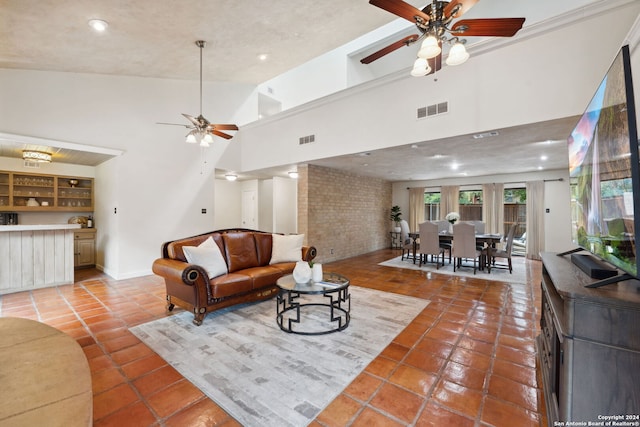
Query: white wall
(228,204)
(160,184)
(517,84)
(285,205)
(266,209)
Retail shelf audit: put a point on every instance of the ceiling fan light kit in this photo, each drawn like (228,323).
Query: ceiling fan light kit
(457,54)
(420,68)
(434,23)
(430,48)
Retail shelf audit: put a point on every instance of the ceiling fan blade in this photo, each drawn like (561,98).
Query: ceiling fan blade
(223,127)
(173,124)
(496,27)
(192,119)
(402,9)
(458,7)
(220,134)
(382,52)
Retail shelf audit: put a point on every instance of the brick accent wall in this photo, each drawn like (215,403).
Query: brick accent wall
(342,212)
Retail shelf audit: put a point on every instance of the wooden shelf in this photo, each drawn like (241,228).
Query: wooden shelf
(59,193)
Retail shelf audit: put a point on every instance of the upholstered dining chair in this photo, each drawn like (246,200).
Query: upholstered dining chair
(443,227)
(464,245)
(478,225)
(407,241)
(430,243)
(502,253)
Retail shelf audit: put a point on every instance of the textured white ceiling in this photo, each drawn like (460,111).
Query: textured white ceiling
(155,38)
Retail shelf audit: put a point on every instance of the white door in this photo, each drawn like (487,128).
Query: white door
(249,209)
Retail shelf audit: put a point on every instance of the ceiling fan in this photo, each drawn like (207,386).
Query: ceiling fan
(202,130)
(434,22)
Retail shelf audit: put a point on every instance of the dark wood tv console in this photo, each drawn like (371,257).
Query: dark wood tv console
(589,345)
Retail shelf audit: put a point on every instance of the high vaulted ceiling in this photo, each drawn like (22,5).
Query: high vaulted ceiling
(155,38)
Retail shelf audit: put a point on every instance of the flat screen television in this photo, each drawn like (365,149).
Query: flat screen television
(604,172)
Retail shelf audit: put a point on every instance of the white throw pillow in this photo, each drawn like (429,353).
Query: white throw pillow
(208,256)
(286,248)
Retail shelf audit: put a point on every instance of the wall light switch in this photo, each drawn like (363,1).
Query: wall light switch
(204,211)
(547,210)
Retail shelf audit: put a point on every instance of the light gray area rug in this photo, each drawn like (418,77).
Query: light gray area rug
(263,376)
(519,274)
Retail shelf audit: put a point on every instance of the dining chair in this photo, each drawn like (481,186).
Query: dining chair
(478,226)
(407,242)
(464,245)
(502,253)
(443,227)
(430,243)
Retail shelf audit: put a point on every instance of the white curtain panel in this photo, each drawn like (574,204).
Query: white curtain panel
(449,200)
(416,207)
(535,219)
(493,207)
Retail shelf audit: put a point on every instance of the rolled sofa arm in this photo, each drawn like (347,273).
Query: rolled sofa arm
(188,282)
(309,253)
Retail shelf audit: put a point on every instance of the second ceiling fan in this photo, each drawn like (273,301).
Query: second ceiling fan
(435,24)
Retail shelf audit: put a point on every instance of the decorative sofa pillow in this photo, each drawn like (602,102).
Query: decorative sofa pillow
(286,248)
(208,256)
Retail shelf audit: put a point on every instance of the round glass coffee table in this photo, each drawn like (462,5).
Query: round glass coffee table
(313,308)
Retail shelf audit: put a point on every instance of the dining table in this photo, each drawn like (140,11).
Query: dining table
(488,240)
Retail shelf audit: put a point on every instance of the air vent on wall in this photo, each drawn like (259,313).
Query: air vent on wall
(307,139)
(432,110)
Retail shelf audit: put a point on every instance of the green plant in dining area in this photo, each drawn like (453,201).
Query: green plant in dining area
(396,216)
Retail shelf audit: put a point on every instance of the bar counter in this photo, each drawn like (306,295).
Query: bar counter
(36,256)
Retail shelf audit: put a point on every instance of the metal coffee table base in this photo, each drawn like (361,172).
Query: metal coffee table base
(339,305)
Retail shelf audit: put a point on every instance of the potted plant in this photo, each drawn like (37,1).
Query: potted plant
(395,217)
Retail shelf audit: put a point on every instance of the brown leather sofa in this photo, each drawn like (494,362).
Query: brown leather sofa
(250,277)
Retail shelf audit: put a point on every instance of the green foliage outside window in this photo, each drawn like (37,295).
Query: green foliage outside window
(470,197)
(515,195)
(431,198)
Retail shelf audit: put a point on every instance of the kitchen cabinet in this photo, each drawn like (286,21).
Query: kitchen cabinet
(4,189)
(84,248)
(24,192)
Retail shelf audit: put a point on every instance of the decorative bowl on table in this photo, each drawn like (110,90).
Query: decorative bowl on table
(73,182)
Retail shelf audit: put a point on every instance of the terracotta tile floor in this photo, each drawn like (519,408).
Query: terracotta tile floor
(468,359)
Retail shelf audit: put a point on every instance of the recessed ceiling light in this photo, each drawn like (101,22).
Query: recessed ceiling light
(231,177)
(414,145)
(543,157)
(98,25)
(454,166)
(293,174)
(263,57)
(540,168)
